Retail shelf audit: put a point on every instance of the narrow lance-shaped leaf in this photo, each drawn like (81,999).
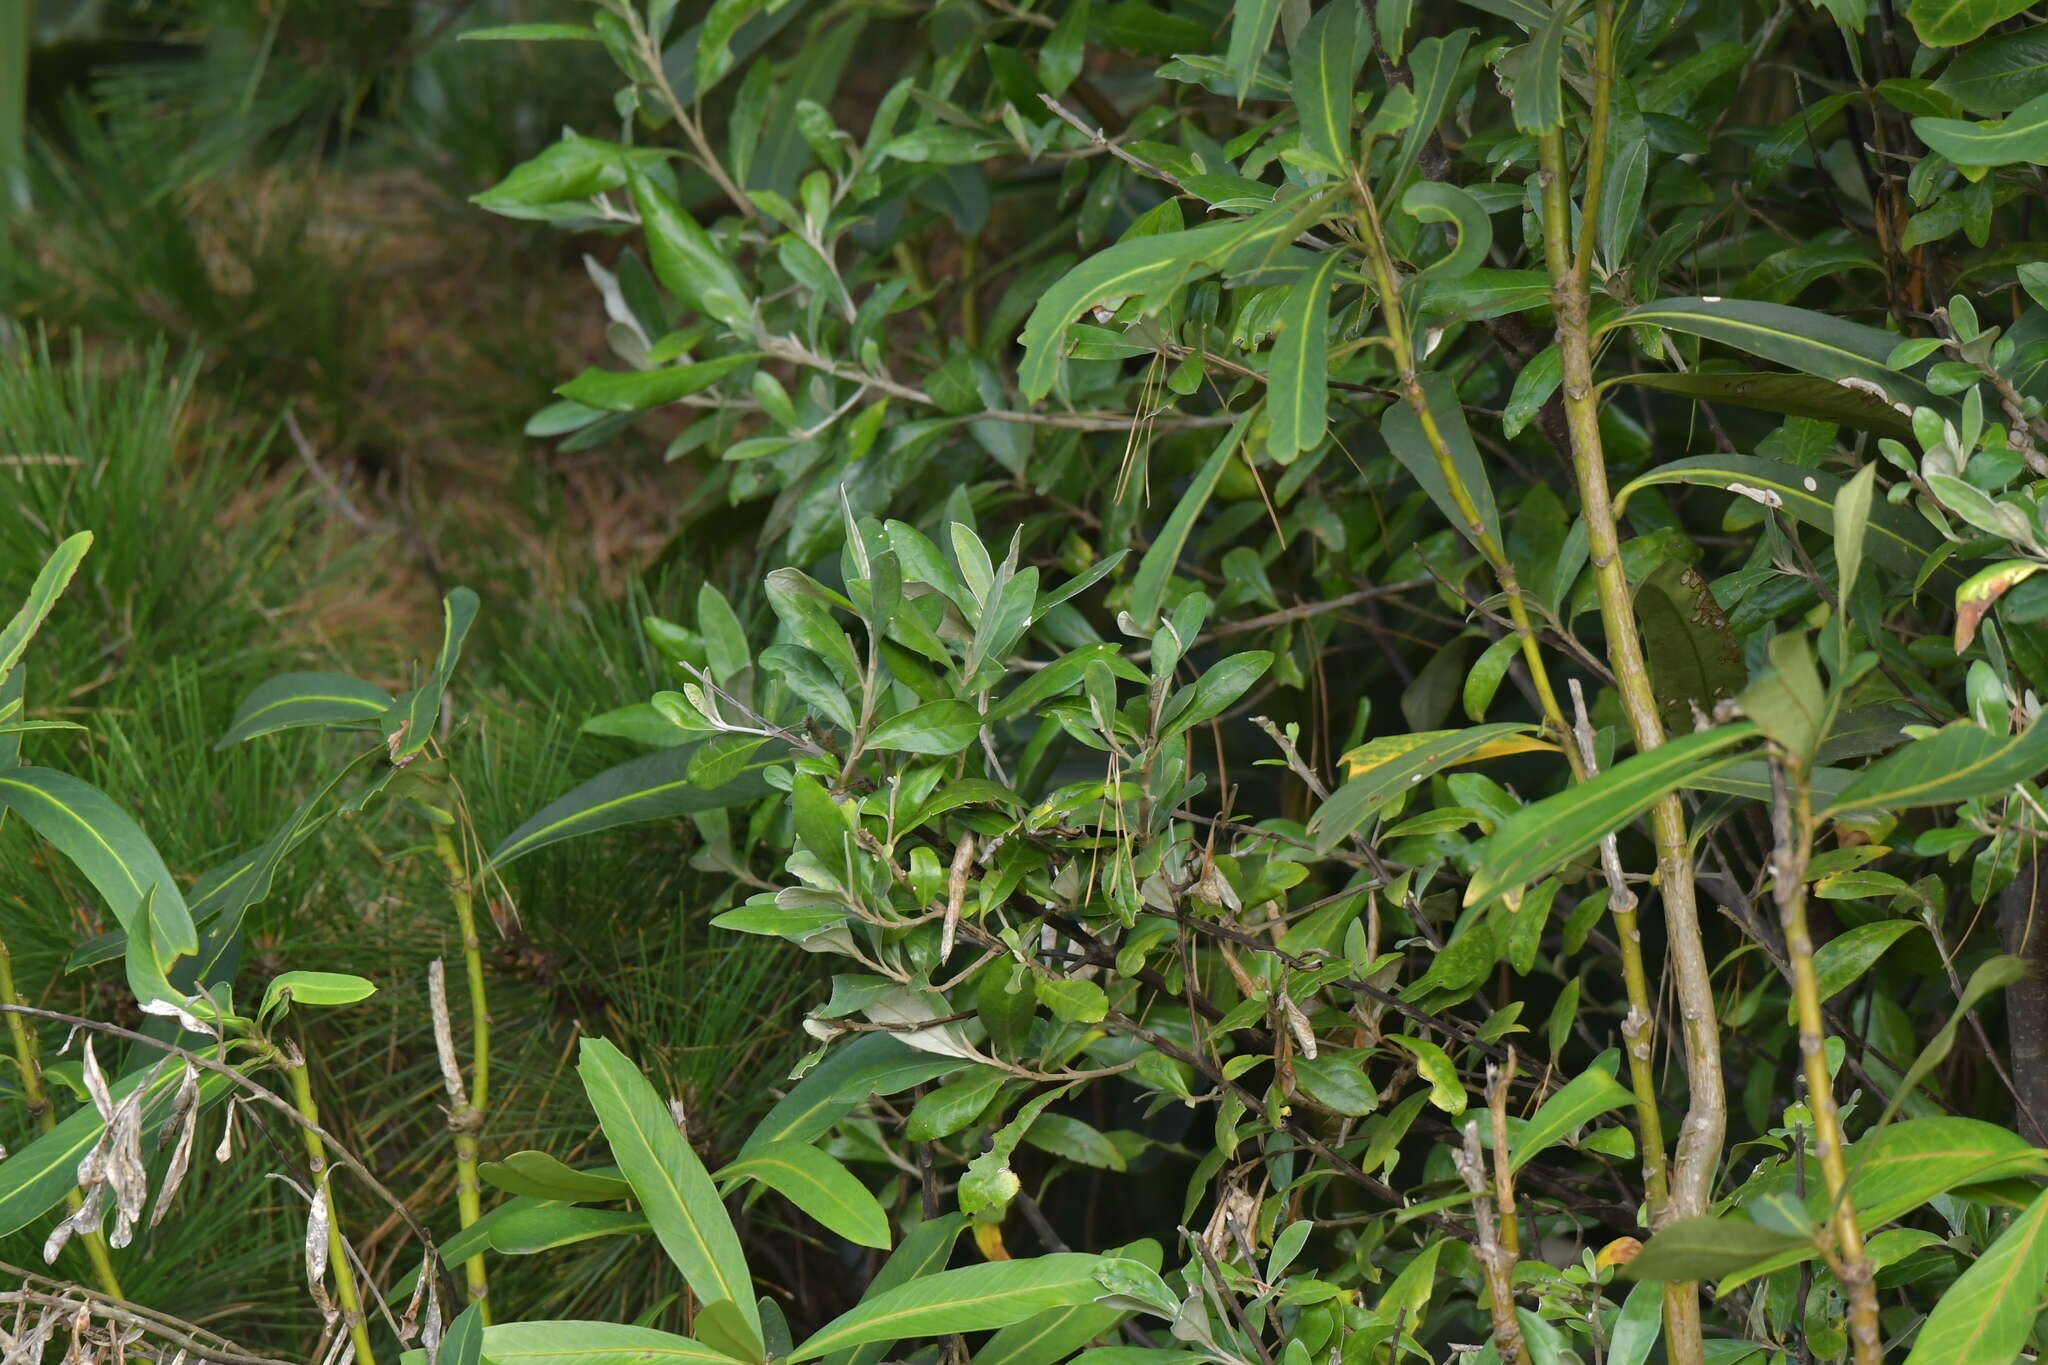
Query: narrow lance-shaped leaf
(1989,1311)
(1405,435)
(107,846)
(2022,136)
(656,786)
(1579,1101)
(1959,762)
(974,1298)
(1297,369)
(410,722)
(1251,30)
(51,580)
(686,261)
(1325,64)
(673,1188)
(593,1343)
(818,1185)
(1539,96)
(1541,837)
(1148,587)
(1894,538)
(1386,767)
(292,700)
(1818,343)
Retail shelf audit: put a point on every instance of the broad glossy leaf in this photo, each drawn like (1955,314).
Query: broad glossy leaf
(592,1343)
(1959,762)
(1220,684)
(818,1185)
(51,580)
(1989,1311)
(1818,343)
(1386,767)
(290,700)
(685,259)
(1844,959)
(937,727)
(1795,395)
(1325,63)
(1895,538)
(638,390)
(673,1188)
(464,1342)
(1297,368)
(546,1177)
(1999,74)
(1539,838)
(1406,436)
(974,1298)
(656,786)
(2021,136)
(1951,23)
(1578,1102)
(1435,1066)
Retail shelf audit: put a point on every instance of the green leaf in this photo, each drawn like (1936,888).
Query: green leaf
(291,700)
(1337,1081)
(673,1188)
(1994,973)
(1979,593)
(1706,1249)
(1297,369)
(923,1250)
(1539,838)
(1068,1137)
(1951,23)
(1794,395)
(529,33)
(1434,64)
(545,1177)
(1136,265)
(315,988)
(1852,524)
(1694,659)
(1988,1313)
(654,787)
(410,722)
(1325,62)
(1818,343)
(1220,684)
(1251,31)
(108,847)
(1435,202)
(1404,434)
(2000,73)
(937,727)
(1446,1091)
(1578,1102)
(1072,1000)
(1789,703)
(51,580)
(528,1229)
(1386,767)
(639,390)
(686,260)
(572,169)
(1844,959)
(592,1343)
(944,1110)
(1539,98)
(818,1185)
(1148,586)
(1534,385)
(2022,136)
(1959,762)
(872,1064)
(976,1298)
(1896,539)
(1060,59)
(464,1342)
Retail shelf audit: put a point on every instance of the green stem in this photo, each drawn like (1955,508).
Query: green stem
(1792,824)
(1700,1135)
(468,1117)
(1399,340)
(29,1064)
(345,1291)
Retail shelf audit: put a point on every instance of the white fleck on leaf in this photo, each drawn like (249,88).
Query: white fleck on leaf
(1766,496)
